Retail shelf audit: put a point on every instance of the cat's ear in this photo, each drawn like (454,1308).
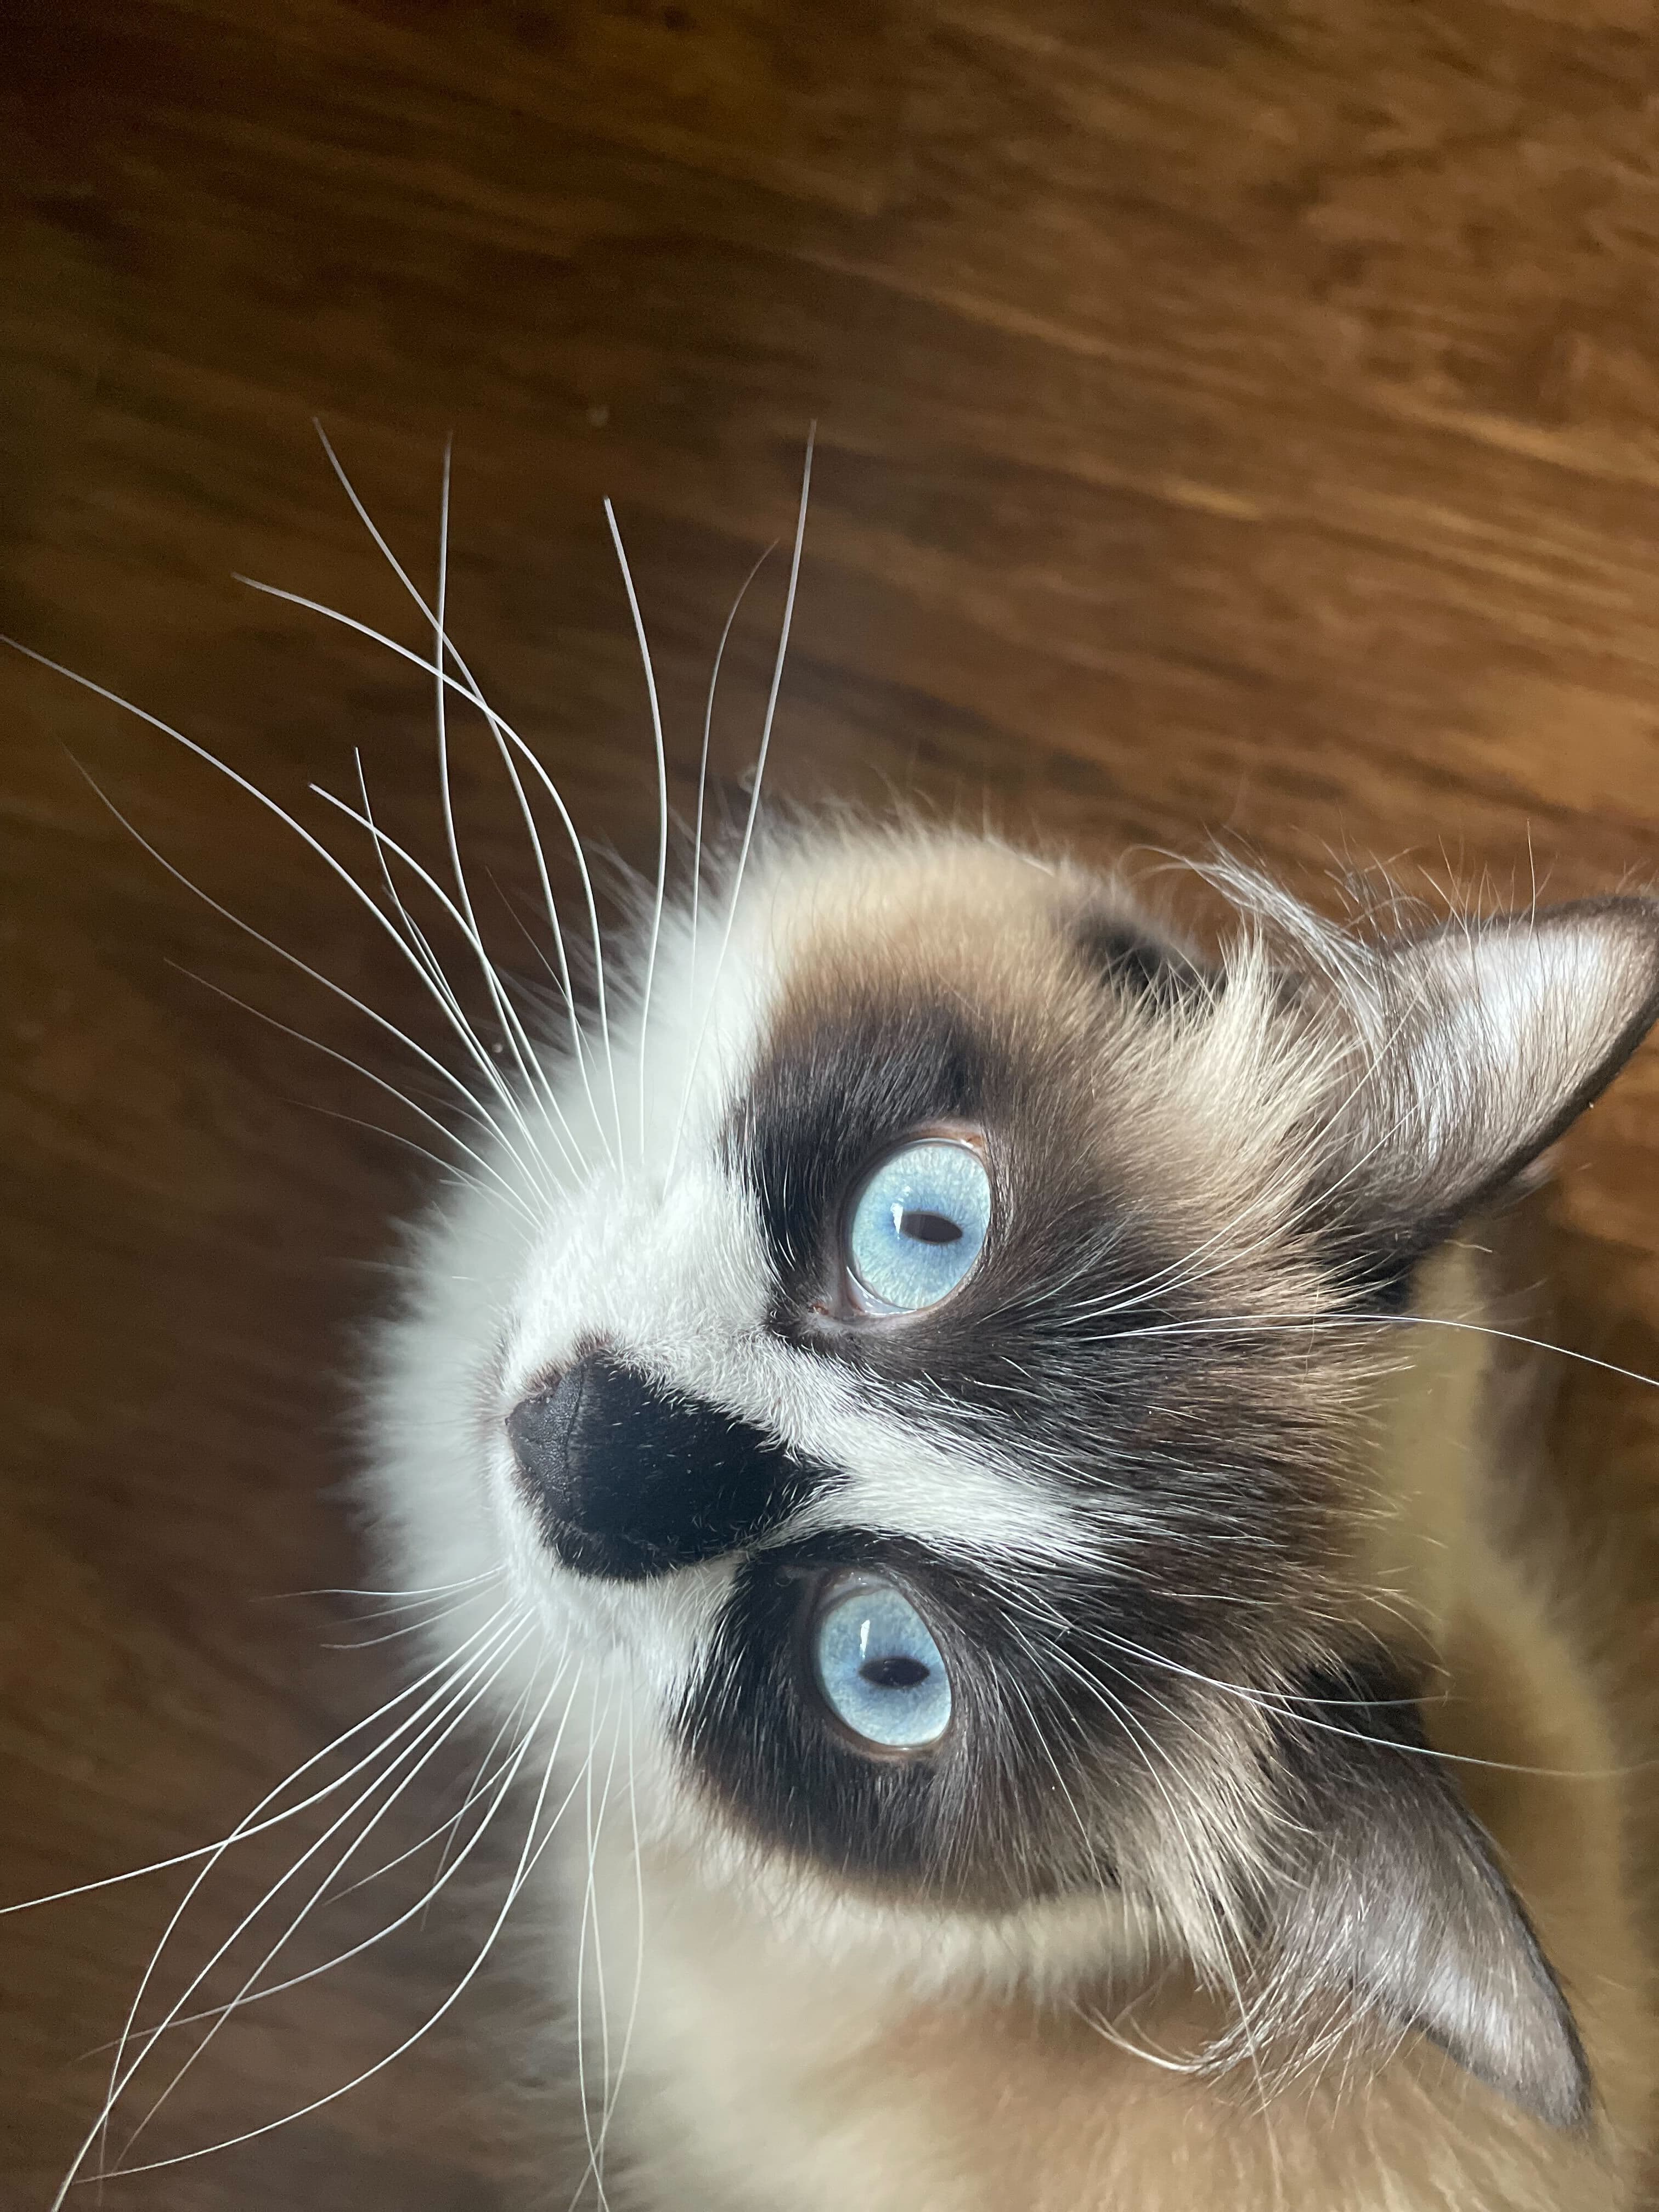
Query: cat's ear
(1476,1045)
(1139,960)
(1392,1895)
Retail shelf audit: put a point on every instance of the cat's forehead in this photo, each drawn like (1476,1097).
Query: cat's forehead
(893,908)
(945,980)
(1023,956)
(878,988)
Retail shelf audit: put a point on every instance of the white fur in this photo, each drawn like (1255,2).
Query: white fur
(720,1957)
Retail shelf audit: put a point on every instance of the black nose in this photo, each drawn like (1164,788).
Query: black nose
(630,1479)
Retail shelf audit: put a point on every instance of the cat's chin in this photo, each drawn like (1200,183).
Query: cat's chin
(1048,1949)
(703,1867)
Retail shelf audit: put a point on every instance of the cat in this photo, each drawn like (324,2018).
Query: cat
(987,1423)
(974,1452)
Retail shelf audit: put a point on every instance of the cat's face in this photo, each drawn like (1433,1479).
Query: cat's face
(917,1361)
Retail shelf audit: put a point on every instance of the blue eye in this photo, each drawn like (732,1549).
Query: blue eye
(879,1669)
(920,1224)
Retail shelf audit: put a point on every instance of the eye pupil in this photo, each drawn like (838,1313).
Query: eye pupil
(928,1228)
(895,1673)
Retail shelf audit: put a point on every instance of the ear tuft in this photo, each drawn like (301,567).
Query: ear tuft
(1395,1895)
(1475,1046)
(1142,963)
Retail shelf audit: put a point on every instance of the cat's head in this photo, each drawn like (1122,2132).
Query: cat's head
(910,1353)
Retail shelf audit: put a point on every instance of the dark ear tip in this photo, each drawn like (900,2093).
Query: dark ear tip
(1574,2112)
(1552,2079)
(1568,2093)
(1566,2100)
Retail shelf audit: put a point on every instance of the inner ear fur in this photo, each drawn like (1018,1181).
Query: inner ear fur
(1471,1049)
(1390,1893)
(1140,960)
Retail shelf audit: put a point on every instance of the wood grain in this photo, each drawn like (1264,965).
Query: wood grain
(1233,417)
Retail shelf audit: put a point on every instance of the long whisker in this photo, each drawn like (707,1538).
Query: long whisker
(1247,1324)
(251,1824)
(437,981)
(475,695)
(474,1687)
(593,1823)
(314,843)
(505,736)
(423,1627)
(413,1596)
(452,1828)
(697,845)
(579,1045)
(1284,1706)
(447,1168)
(434,1608)
(483,1787)
(763,753)
(240,1834)
(662,805)
(484,1783)
(523,1051)
(581,1948)
(438,1606)
(525,1055)
(528,1857)
(417,936)
(329,1052)
(639,1948)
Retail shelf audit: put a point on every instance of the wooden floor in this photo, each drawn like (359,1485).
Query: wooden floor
(1233,417)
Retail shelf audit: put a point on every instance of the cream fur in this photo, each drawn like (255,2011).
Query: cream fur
(792,2046)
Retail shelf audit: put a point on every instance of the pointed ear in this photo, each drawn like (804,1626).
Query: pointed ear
(1476,1046)
(1139,960)
(1395,1897)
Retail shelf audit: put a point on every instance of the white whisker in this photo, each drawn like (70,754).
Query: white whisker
(582,2097)
(413,1596)
(762,755)
(505,736)
(578,1044)
(662,805)
(523,1051)
(484,1783)
(529,1063)
(1251,1324)
(305,836)
(529,1856)
(251,1826)
(476,1680)
(1284,1706)
(639,1945)
(344,1059)
(589,1916)
(696,843)
(472,690)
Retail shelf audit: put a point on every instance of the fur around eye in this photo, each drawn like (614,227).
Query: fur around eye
(918,1224)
